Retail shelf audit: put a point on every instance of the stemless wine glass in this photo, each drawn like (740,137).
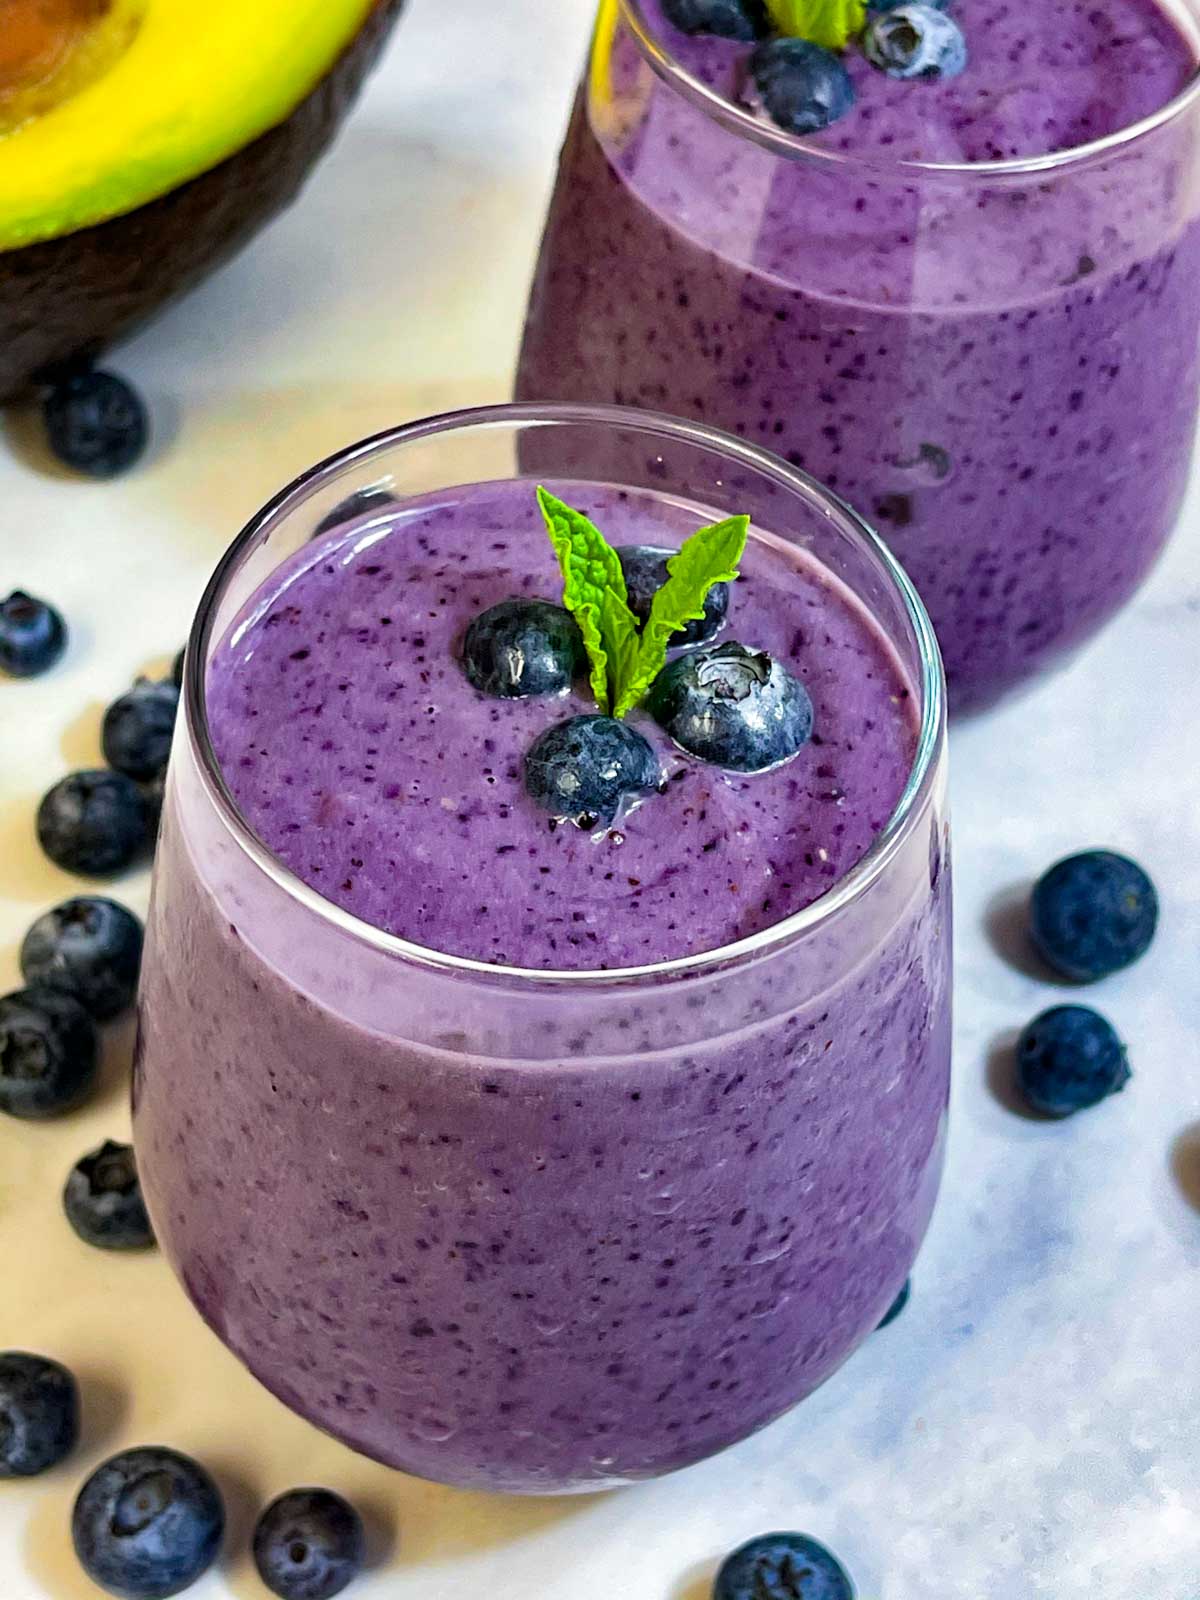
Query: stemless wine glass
(530,1230)
(996,362)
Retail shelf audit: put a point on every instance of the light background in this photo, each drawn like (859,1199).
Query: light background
(1030,1427)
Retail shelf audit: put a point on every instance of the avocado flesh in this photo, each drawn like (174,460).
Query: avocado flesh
(155,94)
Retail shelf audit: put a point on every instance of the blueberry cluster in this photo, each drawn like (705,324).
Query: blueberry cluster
(802,85)
(723,703)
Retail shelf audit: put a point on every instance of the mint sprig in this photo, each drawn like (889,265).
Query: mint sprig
(624,658)
(832,23)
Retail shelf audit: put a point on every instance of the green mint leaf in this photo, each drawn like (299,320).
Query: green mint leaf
(710,556)
(832,23)
(595,595)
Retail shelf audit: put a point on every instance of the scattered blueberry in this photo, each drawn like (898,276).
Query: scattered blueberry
(782,1566)
(354,505)
(96,423)
(103,1200)
(147,1524)
(177,669)
(730,19)
(582,769)
(735,707)
(915,41)
(897,1305)
(523,647)
(93,822)
(308,1545)
(39,1414)
(48,1053)
(804,87)
(1068,1059)
(645,569)
(89,948)
(32,635)
(1093,914)
(137,729)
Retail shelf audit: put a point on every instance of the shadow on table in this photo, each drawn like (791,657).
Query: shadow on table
(1006,923)
(1185,1164)
(697,1585)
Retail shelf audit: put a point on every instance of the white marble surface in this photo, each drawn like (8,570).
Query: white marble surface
(1029,1429)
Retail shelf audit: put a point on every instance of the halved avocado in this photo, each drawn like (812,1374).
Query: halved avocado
(142,142)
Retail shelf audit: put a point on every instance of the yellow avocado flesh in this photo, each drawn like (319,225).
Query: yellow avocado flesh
(161,91)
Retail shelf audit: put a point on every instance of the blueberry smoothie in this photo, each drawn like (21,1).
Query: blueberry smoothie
(997,364)
(486,1204)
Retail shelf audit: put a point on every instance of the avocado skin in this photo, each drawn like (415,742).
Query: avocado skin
(64,300)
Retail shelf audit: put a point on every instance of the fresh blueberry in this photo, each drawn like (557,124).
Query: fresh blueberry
(39,1414)
(803,86)
(730,19)
(48,1053)
(137,729)
(308,1545)
(583,769)
(93,822)
(96,423)
(355,505)
(735,707)
(1068,1059)
(523,647)
(645,569)
(32,635)
(782,1566)
(147,1524)
(897,1305)
(915,41)
(89,948)
(177,669)
(103,1200)
(1093,914)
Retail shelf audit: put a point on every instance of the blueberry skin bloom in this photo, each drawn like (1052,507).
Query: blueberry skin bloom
(782,1566)
(96,423)
(147,1524)
(32,635)
(736,707)
(520,648)
(804,87)
(89,948)
(1093,914)
(915,41)
(48,1053)
(582,770)
(309,1545)
(137,729)
(103,1200)
(729,19)
(39,1414)
(1068,1059)
(93,822)
(644,567)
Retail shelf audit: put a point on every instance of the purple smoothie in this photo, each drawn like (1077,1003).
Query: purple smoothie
(504,1231)
(963,356)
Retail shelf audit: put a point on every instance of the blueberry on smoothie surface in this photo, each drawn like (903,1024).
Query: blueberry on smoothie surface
(32,635)
(96,423)
(521,648)
(729,19)
(355,505)
(94,822)
(309,1544)
(39,1414)
(584,769)
(1093,914)
(782,1566)
(48,1053)
(1068,1059)
(138,727)
(734,706)
(804,87)
(103,1200)
(915,41)
(89,948)
(645,570)
(147,1524)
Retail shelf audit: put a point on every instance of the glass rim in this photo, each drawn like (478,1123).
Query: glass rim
(742,122)
(849,888)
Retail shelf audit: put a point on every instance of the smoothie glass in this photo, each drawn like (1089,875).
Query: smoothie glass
(996,363)
(527,1230)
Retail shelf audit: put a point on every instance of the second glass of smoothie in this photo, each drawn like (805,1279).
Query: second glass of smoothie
(972,307)
(519,1152)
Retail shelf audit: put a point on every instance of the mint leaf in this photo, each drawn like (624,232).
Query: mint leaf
(832,23)
(710,556)
(595,595)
